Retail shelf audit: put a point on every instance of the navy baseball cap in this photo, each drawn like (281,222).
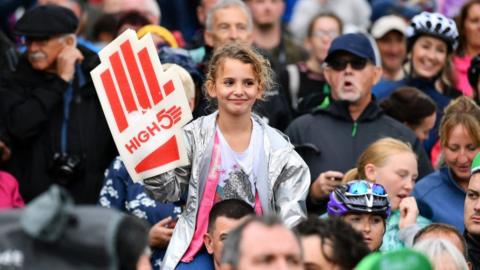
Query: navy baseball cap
(46,21)
(355,43)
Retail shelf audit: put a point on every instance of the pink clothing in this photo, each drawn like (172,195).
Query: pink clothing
(9,194)
(207,202)
(461,65)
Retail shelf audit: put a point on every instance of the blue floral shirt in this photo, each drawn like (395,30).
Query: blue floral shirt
(120,192)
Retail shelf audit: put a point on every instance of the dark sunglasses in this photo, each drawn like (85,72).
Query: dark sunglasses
(364,188)
(341,64)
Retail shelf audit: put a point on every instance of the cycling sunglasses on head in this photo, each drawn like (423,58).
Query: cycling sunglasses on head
(364,188)
(355,63)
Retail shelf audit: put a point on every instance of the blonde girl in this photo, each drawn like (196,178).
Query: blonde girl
(233,153)
(393,164)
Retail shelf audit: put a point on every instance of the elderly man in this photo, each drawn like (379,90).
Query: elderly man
(262,243)
(332,138)
(472,215)
(53,119)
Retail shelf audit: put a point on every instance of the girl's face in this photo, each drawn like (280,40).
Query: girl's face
(459,152)
(422,130)
(429,56)
(397,176)
(236,88)
(472,26)
(372,228)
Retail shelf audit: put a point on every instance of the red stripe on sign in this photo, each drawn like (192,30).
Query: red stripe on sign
(114,101)
(150,76)
(168,87)
(165,154)
(121,76)
(135,75)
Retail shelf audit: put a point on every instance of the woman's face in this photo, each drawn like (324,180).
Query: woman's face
(422,130)
(429,56)
(397,175)
(325,29)
(472,26)
(372,228)
(459,151)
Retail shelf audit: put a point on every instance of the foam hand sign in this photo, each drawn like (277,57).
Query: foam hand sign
(145,107)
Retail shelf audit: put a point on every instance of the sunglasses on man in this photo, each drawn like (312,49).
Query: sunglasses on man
(341,63)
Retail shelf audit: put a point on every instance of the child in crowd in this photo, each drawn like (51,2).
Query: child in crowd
(365,206)
(233,153)
(393,164)
(120,192)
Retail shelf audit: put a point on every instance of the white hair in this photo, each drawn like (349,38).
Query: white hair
(222,4)
(436,249)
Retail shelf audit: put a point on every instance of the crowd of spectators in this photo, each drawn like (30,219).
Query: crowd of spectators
(327,134)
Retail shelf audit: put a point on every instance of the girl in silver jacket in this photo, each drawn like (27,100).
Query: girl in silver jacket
(233,153)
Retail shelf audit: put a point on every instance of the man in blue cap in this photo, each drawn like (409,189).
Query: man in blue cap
(472,214)
(333,136)
(54,123)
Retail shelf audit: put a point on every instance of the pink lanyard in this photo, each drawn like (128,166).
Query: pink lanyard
(207,202)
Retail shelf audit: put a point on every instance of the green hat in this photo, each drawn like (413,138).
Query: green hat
(475,164)
(395,260)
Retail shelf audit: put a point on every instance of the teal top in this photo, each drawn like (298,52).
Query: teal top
(394,239)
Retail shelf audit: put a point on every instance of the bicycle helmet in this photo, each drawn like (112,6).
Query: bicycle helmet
(474,72)
(359,196)
(433,24)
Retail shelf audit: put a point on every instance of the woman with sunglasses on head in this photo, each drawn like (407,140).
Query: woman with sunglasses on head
(431,41)
(392,164)
(363,205)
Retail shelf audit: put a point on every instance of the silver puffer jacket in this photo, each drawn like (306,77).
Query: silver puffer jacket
(283,192)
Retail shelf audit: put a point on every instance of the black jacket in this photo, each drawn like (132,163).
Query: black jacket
(31,105)
(329,139)
(473,247)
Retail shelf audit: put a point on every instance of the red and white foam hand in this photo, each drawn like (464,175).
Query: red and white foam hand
(145,107)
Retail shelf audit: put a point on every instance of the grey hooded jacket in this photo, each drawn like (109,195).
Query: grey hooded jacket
(283,191)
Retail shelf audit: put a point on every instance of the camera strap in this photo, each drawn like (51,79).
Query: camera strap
(67,100)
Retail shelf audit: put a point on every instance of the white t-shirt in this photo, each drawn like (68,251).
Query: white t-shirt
(238,171)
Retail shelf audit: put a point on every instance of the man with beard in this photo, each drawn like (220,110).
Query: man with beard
(53,119)
(331,139)
(472,215)
(270,35)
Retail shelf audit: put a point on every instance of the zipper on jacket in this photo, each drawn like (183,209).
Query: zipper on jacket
(354,129)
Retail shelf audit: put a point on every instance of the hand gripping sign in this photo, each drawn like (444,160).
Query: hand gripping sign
(145,107)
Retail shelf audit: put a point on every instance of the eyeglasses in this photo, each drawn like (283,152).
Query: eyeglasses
(341,64)
(364,188)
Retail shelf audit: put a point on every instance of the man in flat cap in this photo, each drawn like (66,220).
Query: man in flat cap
(54,123)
